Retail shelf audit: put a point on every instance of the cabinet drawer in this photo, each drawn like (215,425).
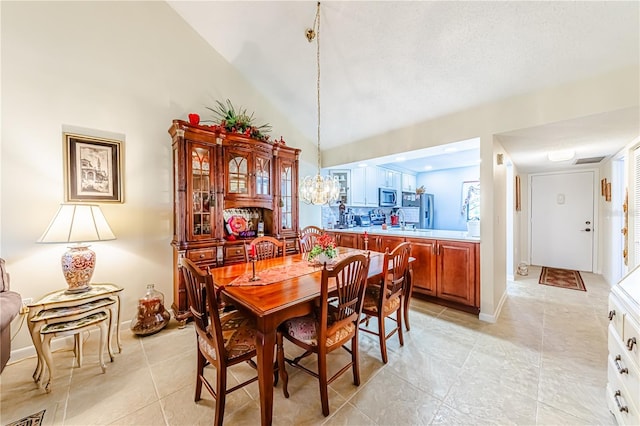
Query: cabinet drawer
(621,405)
(201,255)
(234,253)
(631,338)
(615,314)
(622,371)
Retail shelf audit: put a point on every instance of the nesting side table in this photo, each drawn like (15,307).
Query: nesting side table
(62,313)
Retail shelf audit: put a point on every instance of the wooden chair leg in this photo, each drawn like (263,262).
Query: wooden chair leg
(221,395)
(355,360)
(399,319)
(383,339)
(199,375)
(281,364)
(405,309)
(322,379)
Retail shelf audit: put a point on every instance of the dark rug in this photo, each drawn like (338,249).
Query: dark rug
(32,420)
(564,278)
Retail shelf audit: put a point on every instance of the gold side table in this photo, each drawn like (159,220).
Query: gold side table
(62,313)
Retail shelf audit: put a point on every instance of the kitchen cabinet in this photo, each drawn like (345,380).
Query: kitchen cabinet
(382,242)
(364,193)
(409,182)
(217,176)
(388,178)
(344,181)
(344,239)
(424,267)
(447,272)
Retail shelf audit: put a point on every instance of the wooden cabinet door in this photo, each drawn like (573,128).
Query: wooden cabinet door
(237,170)
(424,267)
(390,242)
(201,192)
(456,272)
(260,177)
(349,240)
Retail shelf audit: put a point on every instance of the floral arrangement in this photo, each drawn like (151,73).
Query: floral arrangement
(238,120)
(324,245)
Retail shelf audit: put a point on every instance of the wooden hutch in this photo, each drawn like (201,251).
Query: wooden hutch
(219,175)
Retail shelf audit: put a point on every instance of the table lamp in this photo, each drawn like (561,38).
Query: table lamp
(80,224)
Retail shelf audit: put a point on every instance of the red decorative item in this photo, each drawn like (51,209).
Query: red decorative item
(253,251)
(194,119)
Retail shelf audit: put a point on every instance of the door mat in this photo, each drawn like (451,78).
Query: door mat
(32,420)
(563,278)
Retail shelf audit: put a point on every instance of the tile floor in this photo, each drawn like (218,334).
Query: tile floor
(543,362)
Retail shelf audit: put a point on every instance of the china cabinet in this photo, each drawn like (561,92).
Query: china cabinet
(227,187)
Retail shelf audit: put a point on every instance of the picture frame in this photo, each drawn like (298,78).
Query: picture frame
(603,187)
(93,169)
(607,196)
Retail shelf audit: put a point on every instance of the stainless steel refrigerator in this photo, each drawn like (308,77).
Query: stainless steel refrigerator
(426,211)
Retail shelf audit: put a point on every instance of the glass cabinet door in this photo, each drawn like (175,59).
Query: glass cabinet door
(263,175)
(238,173)
(200,190)
(286,197)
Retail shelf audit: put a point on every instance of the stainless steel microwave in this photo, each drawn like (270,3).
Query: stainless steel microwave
(387,197)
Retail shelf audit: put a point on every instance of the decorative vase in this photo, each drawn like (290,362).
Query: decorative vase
(323,258)
(152,315)
(78,264)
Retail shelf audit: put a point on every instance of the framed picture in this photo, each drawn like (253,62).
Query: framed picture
(603,187)
(93,169)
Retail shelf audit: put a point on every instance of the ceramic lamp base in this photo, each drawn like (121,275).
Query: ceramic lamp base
(77,266)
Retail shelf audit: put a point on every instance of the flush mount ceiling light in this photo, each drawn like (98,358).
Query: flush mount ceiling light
(561,155)
(318,189)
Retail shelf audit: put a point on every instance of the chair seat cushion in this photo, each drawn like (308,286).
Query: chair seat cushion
(239,336)
(305,329)
(372,298)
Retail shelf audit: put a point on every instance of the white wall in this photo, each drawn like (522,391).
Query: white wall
(118,67)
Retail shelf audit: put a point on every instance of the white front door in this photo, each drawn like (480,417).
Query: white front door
(562,220)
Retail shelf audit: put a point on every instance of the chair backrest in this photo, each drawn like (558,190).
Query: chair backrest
(306,242)
(311,230)
(394,279)
(203,303)
(343,305)
(266,248)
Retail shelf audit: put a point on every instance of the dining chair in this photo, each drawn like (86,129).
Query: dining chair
(334,323)
(306,242)
(223,340)
(383,299)
(266,248)
(311,230)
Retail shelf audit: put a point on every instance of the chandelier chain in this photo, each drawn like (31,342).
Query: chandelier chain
(316,25)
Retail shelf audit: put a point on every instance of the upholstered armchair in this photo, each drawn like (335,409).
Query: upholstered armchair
(10,303)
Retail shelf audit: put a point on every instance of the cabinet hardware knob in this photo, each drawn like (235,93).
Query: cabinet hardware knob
(202,256)
(630,343)
(621,369)
(620,406)
(612,313)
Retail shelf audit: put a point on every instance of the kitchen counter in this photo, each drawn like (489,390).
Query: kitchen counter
(440,234)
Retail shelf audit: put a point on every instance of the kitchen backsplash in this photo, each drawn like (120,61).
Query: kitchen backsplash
(330,215)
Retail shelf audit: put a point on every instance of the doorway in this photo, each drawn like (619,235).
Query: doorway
(562,220)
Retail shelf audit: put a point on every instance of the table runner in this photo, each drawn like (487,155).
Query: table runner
(285,272)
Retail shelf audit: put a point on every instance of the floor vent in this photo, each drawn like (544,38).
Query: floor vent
(590,160)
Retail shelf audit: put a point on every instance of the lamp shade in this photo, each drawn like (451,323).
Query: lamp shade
(80,224)
(74,223)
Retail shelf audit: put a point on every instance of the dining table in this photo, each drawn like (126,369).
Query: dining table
(286,287)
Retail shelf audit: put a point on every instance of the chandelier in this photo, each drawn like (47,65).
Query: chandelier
(318,189)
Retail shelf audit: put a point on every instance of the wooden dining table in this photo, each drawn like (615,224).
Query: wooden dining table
(273,303)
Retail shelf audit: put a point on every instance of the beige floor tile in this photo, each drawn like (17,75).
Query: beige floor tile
(348,415)
(146,416)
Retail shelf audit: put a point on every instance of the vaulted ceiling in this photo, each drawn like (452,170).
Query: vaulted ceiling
(387,65)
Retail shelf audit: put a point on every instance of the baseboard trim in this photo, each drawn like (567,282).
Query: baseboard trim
(493,318)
